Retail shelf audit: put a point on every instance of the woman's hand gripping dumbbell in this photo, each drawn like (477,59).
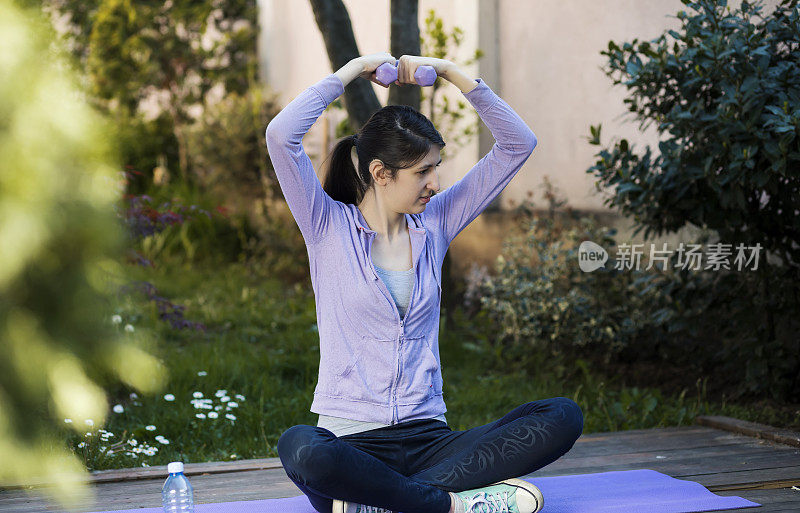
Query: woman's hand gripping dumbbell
(383,69)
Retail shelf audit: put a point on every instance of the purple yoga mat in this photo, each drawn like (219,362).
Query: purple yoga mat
(640,491)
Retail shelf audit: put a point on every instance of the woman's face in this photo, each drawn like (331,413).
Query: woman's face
(412,184)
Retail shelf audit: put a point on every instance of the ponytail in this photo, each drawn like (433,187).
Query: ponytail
(342,182)
(397,135)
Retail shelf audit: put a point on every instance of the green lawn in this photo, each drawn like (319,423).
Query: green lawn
(256,368)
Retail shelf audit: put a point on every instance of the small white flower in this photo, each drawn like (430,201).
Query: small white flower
(116,319)
(145,464)
(118,408)
(67,421)
(150,427)
(200,415)
(202,373)
(213,415)
(169,397)
(129,328)
(230,416)
(89,422)
(134,396)
(197,395)
(221,393)
(233,404)
(225,399)
(133,442)
(164,441)
(218,407)
(102,448)
(239,397)
(233,456)
(82,444)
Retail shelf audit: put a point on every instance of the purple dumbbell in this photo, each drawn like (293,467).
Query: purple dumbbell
(424,75)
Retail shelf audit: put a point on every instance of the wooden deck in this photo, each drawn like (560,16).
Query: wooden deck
(762,465)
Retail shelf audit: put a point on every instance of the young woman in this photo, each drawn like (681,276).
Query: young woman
(376,236)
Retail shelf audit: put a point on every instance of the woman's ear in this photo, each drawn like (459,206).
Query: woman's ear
(377,170)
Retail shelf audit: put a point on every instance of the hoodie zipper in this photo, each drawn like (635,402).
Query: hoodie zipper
(381,286)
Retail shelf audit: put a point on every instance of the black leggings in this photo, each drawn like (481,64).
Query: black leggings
(411,466)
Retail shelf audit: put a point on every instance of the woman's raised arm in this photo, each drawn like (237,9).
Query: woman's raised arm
(458,205)
(308,202)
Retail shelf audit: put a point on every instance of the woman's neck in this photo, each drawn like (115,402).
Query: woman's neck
(386,223)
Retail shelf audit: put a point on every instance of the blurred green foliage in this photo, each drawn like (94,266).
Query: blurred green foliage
(60,245)
(167,58)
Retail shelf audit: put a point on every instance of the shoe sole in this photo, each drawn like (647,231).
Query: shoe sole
(528,487)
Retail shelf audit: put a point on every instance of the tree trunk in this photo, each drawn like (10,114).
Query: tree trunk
(404,41)
(333,22)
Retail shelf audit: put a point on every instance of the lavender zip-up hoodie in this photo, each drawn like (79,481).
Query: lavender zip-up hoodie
(375,366)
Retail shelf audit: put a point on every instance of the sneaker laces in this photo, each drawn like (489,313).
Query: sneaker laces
(361,508)
(483,502)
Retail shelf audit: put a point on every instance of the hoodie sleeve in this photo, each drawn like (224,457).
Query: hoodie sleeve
(308,202)
(458,205)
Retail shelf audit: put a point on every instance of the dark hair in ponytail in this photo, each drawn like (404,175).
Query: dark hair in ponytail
(397,135)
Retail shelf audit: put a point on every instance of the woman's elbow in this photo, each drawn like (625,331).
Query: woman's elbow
(273,131)
(533,141)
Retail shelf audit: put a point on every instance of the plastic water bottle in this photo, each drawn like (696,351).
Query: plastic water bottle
(177,495)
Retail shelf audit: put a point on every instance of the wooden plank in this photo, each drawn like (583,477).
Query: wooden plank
(159,471)
(753,429)
(784,500)
(709,460)
(607,443)
(210,488)
(753,479)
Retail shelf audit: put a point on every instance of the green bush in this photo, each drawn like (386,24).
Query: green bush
(226,144)
(702,322)
(724,97)
(547,305)
(726,101)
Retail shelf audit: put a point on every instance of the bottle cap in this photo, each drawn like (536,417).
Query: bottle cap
(174,467)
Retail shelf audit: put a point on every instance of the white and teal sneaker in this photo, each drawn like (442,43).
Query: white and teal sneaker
(352,507)
(508,496)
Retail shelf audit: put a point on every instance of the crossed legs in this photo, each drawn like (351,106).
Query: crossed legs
(411,466)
